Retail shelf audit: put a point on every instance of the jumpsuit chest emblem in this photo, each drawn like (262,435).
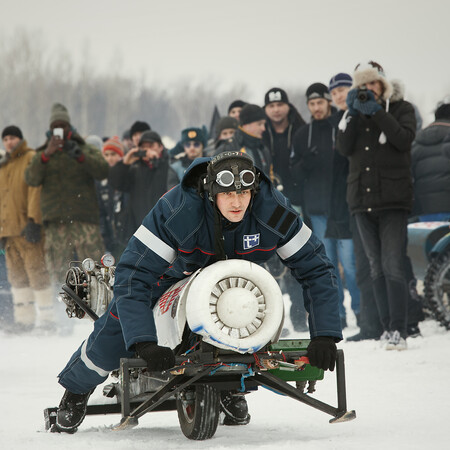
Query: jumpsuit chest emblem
(251,240)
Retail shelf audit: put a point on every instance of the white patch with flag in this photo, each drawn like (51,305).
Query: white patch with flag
(251,240)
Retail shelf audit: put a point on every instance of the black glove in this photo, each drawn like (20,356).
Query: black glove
(32,232)
(322,352)
(157,358)
(73,150)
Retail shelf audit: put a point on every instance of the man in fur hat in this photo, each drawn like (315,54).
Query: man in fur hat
(376,134)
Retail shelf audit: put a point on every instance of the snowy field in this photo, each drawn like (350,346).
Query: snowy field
(402,401)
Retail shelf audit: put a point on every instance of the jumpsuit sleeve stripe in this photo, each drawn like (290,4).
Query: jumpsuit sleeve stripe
(295,244)
(89,364)
(155,244)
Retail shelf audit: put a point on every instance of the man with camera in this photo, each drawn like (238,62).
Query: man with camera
(376,134)
(143,175)
(66,168)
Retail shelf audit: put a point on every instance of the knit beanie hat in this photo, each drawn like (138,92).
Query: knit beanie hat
(113,144)
(193,134)
(317,90)
(139,127)
(251,113)
(12,130)
(339,80)
(150,136)
(275,95)
(236,104)
(372,71)
(59,112)
(226,123)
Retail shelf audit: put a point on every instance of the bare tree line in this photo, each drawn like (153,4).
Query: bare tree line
(31,81)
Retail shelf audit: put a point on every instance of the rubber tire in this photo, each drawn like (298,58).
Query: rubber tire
(433,288)
(200,421)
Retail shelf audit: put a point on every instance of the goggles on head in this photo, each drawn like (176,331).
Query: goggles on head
(226,178)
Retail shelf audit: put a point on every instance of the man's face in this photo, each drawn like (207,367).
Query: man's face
(319,108)
(111,157)
(193,149)
(255,128)
(235,112)
(61,124)
(136,138)
(376,87)
(153,150)
(277,111)
(233,205)
(227,133)
(10,143)
(339,95)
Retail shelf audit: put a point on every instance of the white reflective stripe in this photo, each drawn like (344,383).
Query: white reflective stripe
(155,244)
(295,244)
(89,364)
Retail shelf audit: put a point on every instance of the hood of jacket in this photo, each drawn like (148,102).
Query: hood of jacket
(434,134)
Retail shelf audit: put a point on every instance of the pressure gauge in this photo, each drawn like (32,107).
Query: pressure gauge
(88,264)
(108,260)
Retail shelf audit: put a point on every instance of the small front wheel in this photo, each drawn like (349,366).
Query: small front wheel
(198,411)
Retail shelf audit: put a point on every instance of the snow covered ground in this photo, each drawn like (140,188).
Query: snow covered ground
(402,401)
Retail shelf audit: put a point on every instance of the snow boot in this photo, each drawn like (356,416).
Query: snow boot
(46,315)
(24,309)
(396,342)
(71,411)
(234,406)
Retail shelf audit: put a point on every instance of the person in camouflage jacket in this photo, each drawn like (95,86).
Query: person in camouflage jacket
(66,168)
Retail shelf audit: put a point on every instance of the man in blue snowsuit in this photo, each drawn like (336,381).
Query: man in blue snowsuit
(225,208)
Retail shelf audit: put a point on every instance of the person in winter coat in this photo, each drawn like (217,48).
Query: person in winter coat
(112,203)
(283,120)
(66,168)
(193,141)
(376,134)
(143,175)
(21,236)
(224,131)
(202,220)
(312,164)
(248,138)
(431,167)
(342,227)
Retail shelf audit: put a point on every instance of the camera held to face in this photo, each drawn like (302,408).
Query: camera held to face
(362,95)
(141,153)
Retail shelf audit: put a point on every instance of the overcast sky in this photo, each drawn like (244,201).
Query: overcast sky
(258,42)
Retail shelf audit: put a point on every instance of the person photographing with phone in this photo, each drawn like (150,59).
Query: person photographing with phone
(66,168)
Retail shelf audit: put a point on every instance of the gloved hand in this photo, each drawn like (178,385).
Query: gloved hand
(351,97)
(32,232)
(369,107)
(322,352)
(157,358)
(73,150)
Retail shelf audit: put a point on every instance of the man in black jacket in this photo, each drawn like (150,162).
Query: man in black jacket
(142,173)
(376,134)
(431,167)
(283,120)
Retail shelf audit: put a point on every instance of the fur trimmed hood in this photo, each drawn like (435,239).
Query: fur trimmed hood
(372,71)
